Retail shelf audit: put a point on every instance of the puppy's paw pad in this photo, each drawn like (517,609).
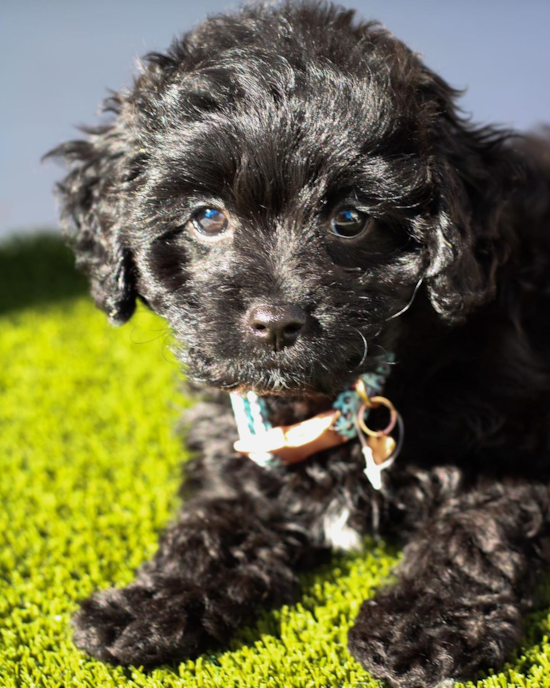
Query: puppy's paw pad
(102,619)
(396,639)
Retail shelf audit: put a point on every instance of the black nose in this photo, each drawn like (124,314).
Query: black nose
(275,326)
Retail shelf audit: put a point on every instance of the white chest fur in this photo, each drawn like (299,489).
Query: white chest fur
(337,533)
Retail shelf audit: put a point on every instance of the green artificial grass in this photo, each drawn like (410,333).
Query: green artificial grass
(89,470)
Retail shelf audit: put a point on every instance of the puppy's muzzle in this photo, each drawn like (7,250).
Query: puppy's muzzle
(275,326)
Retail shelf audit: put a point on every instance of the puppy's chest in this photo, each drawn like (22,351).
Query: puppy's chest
(332,495)
(336,529)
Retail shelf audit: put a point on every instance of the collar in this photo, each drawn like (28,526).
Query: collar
(270,447)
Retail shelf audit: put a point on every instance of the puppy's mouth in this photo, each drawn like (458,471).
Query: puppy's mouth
(278,384)
(276,376)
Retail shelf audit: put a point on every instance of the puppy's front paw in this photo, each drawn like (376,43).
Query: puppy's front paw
(413,639)
(134,626)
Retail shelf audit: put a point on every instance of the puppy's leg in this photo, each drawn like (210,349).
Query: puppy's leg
(466,581)
(215,567)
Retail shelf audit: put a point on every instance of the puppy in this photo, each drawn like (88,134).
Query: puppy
(295,192)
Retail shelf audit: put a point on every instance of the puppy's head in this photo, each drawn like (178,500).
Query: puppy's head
(277,186)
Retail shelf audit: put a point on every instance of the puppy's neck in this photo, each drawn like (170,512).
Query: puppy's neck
(289,410)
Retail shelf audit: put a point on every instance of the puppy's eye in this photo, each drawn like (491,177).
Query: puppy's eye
(348,223)
(210,223)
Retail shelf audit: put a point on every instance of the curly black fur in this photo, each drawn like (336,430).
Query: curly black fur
(277,115)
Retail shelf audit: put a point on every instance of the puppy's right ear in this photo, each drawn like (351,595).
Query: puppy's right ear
(91,198)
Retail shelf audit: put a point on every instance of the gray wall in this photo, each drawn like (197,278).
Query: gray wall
(58,57)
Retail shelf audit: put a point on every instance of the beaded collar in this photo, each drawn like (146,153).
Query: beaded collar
(271,447)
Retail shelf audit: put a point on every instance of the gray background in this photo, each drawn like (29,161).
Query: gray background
(58,57)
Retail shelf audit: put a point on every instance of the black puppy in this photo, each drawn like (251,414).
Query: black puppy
(296,194)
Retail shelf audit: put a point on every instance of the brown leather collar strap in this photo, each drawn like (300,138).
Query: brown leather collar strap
(294,443)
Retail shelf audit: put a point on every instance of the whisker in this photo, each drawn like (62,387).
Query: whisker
(385,351)
(406,308)
(365,352)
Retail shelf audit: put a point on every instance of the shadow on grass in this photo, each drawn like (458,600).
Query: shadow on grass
(37,270)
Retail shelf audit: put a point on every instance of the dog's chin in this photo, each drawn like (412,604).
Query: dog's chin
(242,376)
(272,382)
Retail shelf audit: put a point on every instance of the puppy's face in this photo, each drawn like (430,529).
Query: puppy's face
(285,242)
(278,201)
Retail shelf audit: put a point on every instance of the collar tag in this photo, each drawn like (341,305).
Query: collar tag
(372,470)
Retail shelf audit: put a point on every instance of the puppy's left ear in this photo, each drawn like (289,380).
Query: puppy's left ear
(475,170)
(92,211)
